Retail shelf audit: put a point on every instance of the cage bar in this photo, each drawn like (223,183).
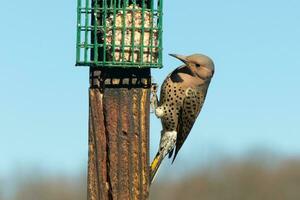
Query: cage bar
(103,42)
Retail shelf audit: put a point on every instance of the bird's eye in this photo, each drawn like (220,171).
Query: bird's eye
(197,65)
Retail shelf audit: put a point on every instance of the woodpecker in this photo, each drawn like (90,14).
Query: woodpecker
(181,98)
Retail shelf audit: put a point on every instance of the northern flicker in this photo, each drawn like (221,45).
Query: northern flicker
(181,98)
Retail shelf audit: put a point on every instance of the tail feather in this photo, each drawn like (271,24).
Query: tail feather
(171,153)
(155,166)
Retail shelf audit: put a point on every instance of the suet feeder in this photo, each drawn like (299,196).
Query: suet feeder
(120,40)
(119,33)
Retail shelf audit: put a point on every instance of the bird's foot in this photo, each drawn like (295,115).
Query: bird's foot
(154,99)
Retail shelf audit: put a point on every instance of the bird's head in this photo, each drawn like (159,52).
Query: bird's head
(200,64)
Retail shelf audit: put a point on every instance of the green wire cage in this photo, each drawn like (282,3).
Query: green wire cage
(119,33)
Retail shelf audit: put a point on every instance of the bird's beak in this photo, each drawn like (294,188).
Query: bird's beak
(180,57)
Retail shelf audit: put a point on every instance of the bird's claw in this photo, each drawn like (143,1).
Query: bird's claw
(154,99)
(154,87)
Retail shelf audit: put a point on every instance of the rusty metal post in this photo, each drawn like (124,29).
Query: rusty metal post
(119,134)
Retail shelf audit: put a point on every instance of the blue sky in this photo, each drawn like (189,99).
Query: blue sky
(253,100)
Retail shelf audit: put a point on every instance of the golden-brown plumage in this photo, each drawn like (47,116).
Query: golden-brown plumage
(181,99)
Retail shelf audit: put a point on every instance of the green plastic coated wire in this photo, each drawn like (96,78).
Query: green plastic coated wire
(96,36)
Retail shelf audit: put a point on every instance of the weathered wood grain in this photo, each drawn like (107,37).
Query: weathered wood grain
(119,134)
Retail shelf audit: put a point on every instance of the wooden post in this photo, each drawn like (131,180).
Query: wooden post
(118,166)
